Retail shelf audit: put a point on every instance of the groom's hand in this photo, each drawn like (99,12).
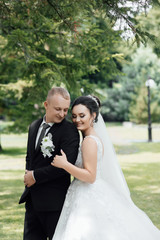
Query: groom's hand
(29,179)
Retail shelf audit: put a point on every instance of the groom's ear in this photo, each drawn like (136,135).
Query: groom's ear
(45,104)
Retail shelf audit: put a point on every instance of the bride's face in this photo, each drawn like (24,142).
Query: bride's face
(82,117)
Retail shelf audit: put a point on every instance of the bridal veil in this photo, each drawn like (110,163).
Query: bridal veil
(110,170)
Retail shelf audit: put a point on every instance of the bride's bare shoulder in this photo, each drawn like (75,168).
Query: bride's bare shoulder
(89,142)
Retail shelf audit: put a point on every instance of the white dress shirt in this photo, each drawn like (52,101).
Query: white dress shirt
(40,129)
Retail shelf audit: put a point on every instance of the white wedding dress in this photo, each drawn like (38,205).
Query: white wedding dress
(98,212)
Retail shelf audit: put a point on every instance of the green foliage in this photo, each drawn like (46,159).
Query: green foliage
(144,64)
(48,48)
(128,101)
(151,24)
(139,109)
(116,106)
(67,43)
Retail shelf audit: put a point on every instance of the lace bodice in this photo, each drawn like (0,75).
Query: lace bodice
(79,161)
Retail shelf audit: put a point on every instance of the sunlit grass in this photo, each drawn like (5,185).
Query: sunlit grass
(11,213)
(144,183)
(13,151)
(14,140)
(138,133)
(134,148)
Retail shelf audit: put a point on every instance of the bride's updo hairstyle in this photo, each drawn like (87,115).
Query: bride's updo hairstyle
(91,102)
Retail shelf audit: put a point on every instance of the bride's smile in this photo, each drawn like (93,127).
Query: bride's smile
(82,118)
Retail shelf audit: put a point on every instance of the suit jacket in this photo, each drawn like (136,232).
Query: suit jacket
(48,193)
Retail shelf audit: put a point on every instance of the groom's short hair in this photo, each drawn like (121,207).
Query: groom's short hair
(58,90)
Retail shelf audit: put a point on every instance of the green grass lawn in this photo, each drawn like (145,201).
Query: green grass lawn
(11,186)
(11,213)
(144,183)
(140,162)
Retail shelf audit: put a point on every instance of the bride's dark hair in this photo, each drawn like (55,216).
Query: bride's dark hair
(90,102)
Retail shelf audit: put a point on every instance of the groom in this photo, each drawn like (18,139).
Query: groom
(45,185)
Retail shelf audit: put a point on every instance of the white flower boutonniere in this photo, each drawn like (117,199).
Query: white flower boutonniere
(47,145)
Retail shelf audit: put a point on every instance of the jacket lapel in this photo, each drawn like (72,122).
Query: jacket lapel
(34,135)
(52,130)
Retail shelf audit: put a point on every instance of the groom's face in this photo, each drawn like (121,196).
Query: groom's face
(56,108)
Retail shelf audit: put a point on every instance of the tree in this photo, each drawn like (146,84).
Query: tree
(128,101)
(46,43)
(151,24)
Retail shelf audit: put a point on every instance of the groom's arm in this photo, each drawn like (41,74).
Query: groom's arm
(29,179)
(27,154)
(34,125)
(69,144)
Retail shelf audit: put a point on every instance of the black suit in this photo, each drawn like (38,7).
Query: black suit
(47,195)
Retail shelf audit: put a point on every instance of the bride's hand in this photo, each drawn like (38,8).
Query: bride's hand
(59,161)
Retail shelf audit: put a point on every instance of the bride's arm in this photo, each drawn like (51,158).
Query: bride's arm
(89,156)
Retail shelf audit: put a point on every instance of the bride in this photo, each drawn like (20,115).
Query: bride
(98,205)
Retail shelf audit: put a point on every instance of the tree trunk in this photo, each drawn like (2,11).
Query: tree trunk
(0,147)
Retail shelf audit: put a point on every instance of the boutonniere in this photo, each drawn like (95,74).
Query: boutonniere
(47,145)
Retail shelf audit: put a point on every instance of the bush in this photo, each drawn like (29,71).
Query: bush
(139,107)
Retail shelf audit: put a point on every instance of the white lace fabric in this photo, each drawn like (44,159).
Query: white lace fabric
(97,212)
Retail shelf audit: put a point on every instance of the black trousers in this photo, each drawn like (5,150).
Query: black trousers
(39,225)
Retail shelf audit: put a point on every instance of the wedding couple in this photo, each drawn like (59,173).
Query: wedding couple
(97,204)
